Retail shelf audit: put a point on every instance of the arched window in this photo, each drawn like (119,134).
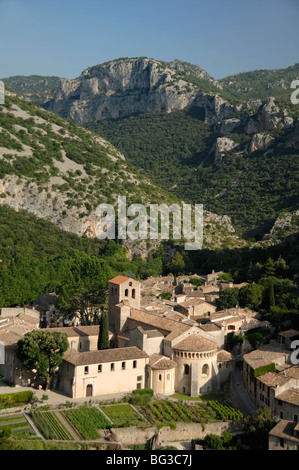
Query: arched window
(205,369)
(133,293)
(130,283)
(186,369)
(127,293)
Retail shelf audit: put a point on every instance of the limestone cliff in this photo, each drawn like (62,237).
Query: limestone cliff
(131,86)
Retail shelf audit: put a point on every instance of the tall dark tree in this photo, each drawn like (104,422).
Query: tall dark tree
(103,341)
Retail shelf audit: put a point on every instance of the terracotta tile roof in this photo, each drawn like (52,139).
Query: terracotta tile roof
(106,355)
(289,396)
(119,279)
(74,331)
(262,357)
(195,301)
(273,380)
(224,356)
(292,371)
(285,429)
(210,327)
(159,362)
(288,333)
(170,328)
(196,343)
(150,333)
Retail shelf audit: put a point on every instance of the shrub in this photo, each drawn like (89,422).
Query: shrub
(141,397)
(8,400)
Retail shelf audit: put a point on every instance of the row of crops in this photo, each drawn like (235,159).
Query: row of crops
(50,426)
(18,425)
(168,411)
(123,416)
(225,411)
(87,421)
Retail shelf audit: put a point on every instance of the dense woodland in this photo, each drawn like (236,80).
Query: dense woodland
(252,189)
(37,257)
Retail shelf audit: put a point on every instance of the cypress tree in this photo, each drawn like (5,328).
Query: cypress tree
(103,341)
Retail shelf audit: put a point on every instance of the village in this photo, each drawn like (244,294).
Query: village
(166,335)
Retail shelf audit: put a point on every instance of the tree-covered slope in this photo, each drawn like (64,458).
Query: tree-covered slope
(35,88)
(261,84)
(176,151)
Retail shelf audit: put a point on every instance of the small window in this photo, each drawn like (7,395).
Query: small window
(133,293)
(112,366)
(123,365)
(100,368)
(139,378)
(130,283)
(186,369)
(134,364)
(86,370)
(127,293)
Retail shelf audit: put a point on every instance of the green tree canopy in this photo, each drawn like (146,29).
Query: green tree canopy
(42,350)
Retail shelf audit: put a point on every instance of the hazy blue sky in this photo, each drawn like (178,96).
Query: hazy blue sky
(51,37)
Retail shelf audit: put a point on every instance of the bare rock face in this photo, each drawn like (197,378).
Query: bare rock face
(131,86)
(260,142)
(229,125)
(222,145)
(269,116)
(292,140)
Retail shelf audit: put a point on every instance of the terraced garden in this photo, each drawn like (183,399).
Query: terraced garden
(87,421)
(84,423)
(18,425)
(123,415)
(50,426)
(169,411)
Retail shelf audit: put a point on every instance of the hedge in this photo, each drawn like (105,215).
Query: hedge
(9,400)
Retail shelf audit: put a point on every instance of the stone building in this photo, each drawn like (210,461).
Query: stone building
(284,436)
(165,351)
(91,373)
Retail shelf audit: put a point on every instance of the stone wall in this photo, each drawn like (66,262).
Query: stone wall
(183,432)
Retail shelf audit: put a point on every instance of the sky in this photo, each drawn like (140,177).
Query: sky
(224,37)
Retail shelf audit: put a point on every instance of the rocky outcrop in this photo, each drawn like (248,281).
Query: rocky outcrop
(222,145)
(260,142)
(292,140)
(131,86)
(229,125)
(269,116)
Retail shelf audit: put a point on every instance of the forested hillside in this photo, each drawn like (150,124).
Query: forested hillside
(251,188)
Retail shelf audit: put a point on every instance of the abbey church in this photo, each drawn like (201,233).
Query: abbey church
(166,350)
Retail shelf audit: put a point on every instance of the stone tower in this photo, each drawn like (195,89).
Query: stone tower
(124,294)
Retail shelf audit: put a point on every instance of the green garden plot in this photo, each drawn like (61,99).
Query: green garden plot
(123,416)
(225,411)
(87,421)
(50,426)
